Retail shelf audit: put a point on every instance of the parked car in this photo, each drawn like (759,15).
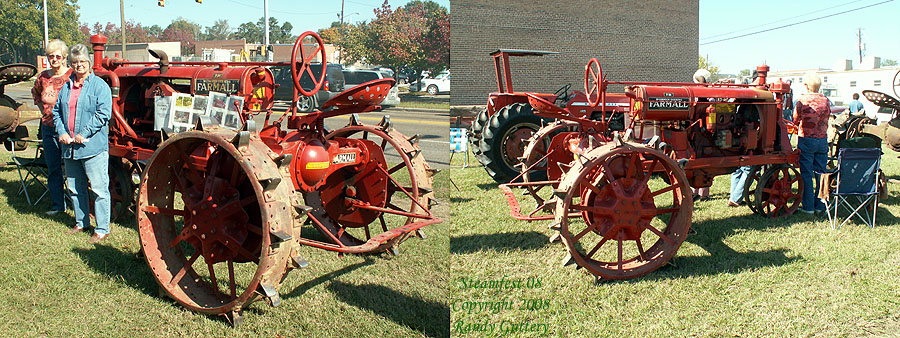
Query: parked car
(355,77)
(334,84)
(439,84)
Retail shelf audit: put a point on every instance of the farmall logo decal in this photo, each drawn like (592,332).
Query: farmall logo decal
(668,103)
(228,86)
(344,158)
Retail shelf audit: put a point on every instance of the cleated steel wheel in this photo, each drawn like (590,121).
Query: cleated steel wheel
(376,207)
(630,224)
(536,158)
(780,191)
(213,215)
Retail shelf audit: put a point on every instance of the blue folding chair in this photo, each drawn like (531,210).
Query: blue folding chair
(855,186)
(459,140)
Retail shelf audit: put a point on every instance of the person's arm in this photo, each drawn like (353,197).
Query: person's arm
(796,116)
(36,91)
(58,123)
(102,111)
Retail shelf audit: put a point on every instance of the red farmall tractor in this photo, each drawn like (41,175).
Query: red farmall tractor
(622,204)
(222,214)
(499,134)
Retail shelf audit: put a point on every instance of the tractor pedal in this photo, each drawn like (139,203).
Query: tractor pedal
(354,120)
(420,234)
(568,260)
(270,293)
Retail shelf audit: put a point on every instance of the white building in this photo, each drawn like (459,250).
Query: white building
(139,52)
(843,80)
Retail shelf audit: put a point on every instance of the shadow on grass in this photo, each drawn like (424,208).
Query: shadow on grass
(20,204)
(302,288)
(118,265)
(430,318)
(460,199)
(527,240)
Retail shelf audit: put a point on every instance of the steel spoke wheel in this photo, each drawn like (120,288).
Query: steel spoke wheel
(780,192)
(539,156)
(750,188)
(392,190)
(211,218)
(630,224)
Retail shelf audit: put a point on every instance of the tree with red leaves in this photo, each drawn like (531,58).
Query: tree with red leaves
(416,35)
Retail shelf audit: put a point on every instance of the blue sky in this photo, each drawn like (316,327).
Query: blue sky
(304,15)
(809,45)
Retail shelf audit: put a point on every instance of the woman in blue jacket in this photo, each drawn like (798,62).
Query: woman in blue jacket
(81,116)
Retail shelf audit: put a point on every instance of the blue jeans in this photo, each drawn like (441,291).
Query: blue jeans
(53,157)
(738,180)
(813,155)
(96,170)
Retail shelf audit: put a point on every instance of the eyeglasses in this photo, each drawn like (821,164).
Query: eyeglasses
(51,57)
(85,63)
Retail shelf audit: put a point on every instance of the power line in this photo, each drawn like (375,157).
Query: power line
(796,23)
(777,21)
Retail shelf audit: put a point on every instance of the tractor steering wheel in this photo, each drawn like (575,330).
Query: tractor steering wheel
(594,85)
(303,65)
(897,84)
(7,53)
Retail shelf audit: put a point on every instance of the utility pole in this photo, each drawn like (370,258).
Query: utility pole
(122,14)
(266,39)
(859,44)
(341,50)
(46,34)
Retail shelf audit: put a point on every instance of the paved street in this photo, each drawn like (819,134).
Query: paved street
(432,126)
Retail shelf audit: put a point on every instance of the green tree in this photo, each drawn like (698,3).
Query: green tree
(713,70)
(22,23)
(745,72)
(253,32)
(888,62)
(220,30)
(416,35)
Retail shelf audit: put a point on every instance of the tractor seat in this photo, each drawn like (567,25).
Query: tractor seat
(366,94)
(881,99)
(16,72)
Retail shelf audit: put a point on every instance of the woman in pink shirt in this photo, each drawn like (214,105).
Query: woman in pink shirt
(45,91)
(811,117)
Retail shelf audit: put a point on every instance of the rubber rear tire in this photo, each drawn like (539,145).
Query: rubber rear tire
(494,138)
(475,131)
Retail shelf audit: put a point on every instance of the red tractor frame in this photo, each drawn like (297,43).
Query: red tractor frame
(222,213)
(500,133)
(622,205)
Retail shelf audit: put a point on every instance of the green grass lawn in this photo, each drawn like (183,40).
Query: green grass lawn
(739,275)
(57,285)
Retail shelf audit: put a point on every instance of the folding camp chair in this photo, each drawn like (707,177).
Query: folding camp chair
(32,170)
(459,141)
(855,186)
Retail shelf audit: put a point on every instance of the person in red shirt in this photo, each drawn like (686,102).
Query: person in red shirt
(45,91)
(811,117)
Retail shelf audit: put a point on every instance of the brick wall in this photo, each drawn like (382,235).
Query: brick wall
(634,41)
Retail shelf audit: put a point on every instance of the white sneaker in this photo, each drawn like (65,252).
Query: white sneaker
(52,212)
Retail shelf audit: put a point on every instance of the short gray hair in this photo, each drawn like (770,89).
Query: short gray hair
(57,45)
(79,52)
(702,76)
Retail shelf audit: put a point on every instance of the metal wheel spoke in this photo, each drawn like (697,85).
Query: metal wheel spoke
(396,167)
(185,232)
(663,190)
(660,234)
(383,224)
(620,253)
(180,274)
(231,283)
(596,247)
(212,278)
(640,248)
(600,210)
(654,212)
(233,245)
(584,232)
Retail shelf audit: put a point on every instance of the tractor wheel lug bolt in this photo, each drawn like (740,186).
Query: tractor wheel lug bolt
(194,227)
(203,236)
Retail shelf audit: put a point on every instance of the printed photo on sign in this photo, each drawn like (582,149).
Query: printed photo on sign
(216,103)
(232,117)
(201,107)
(162,107)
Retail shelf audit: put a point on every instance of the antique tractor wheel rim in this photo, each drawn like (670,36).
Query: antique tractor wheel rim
(750,187)
(213,253)
(513,142)
(536,152)
(781,191)
(610,188)
(328,204)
